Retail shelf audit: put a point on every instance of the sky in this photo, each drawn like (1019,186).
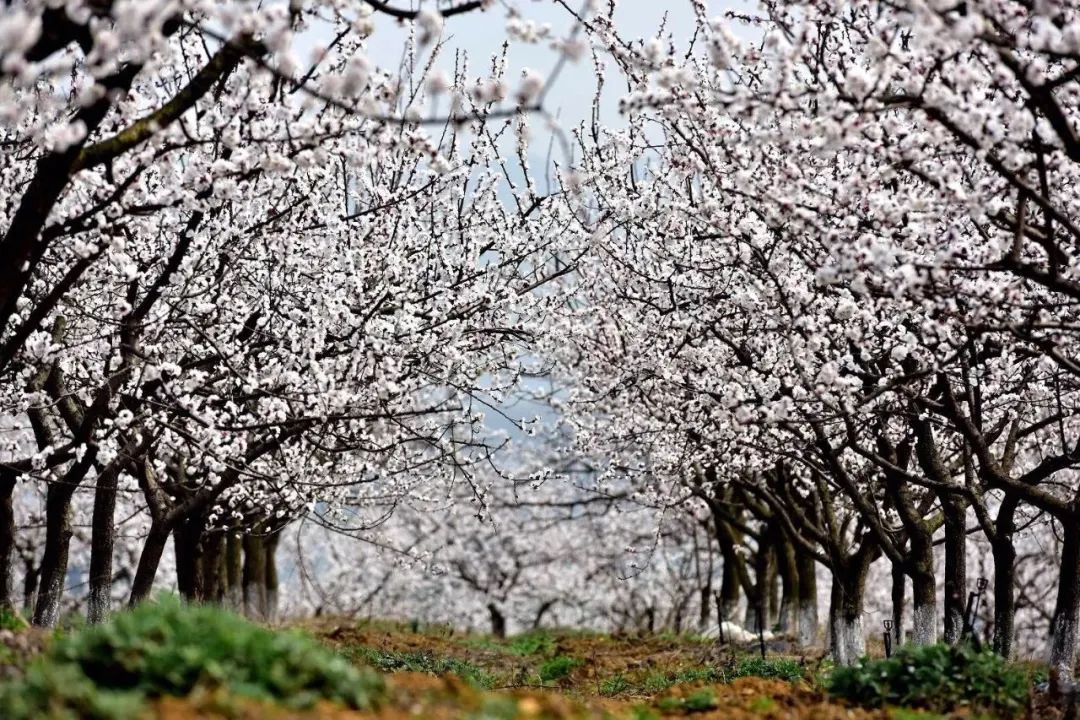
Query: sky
(481,35)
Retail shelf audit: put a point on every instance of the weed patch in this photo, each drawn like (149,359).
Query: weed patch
(423,662)
(109,671)
(939,678)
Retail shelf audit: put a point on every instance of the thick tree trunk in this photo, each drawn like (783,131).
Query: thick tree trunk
(254,575)
(1063,627)
(846,640)
(705,600)
(102,542)
(498,621)
(30,583)
(955,568)
(729,593)
(899,590)
(188,537)
(808,600)
(923,591)
(212,567)
(54,562)
(757,605)
(234,571)
(270,552)
(787,569)
(7,539)
(149,559)
(1004,551)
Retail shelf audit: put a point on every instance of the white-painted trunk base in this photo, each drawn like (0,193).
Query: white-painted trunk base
(849,644)
(808,624)
(924,625)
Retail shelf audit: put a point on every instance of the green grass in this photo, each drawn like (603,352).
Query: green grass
(939,678)
(699,700)
(109,671)
(424,662)
(537,642)
(558,667)
(11,620)
(658,681)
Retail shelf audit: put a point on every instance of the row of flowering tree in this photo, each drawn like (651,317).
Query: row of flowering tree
(811,304)
(830,288)
(241,284)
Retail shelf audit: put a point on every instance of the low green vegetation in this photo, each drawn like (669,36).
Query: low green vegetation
(558,667)
(11,620)
(537,642)
(699,700)
(940,678)
(110,671)
(733,668)
(424,661)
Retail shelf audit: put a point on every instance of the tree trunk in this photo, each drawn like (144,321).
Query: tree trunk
(1066,609)
(211,567)
(729,593)
(270,550)
(923,592)
(102,542)
(899,590)
(234,572)
(498,621)
(955,568)
(54,563)
(30,583)
(1004,551)
(149,559)
(254,575)
(7,538)
(757,605)
(846,640)
(788,570)
(188,545)
(806,568)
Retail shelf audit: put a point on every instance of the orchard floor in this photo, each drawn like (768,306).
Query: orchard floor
(438,674)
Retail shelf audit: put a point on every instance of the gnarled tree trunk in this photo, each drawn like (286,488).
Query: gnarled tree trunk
(1063,626)
(955,568)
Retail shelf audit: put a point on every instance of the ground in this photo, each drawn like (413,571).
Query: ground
(437,673)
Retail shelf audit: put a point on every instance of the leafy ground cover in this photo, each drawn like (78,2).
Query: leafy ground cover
(176,662)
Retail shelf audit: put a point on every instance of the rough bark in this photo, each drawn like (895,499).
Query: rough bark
(955,568)
(54,562)
(729,593)
(1063,627)
(234,569)
(149,559)
(498,621)
(788,571)
(270,551)
(899,590)
(7,539)
(1004,551)
(254,576)
(808,599)
(102,543)
(846,640)
(923,592)
(188,537)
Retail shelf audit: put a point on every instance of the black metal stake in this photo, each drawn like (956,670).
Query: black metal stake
(974,599)
(888,638)
(719,619)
